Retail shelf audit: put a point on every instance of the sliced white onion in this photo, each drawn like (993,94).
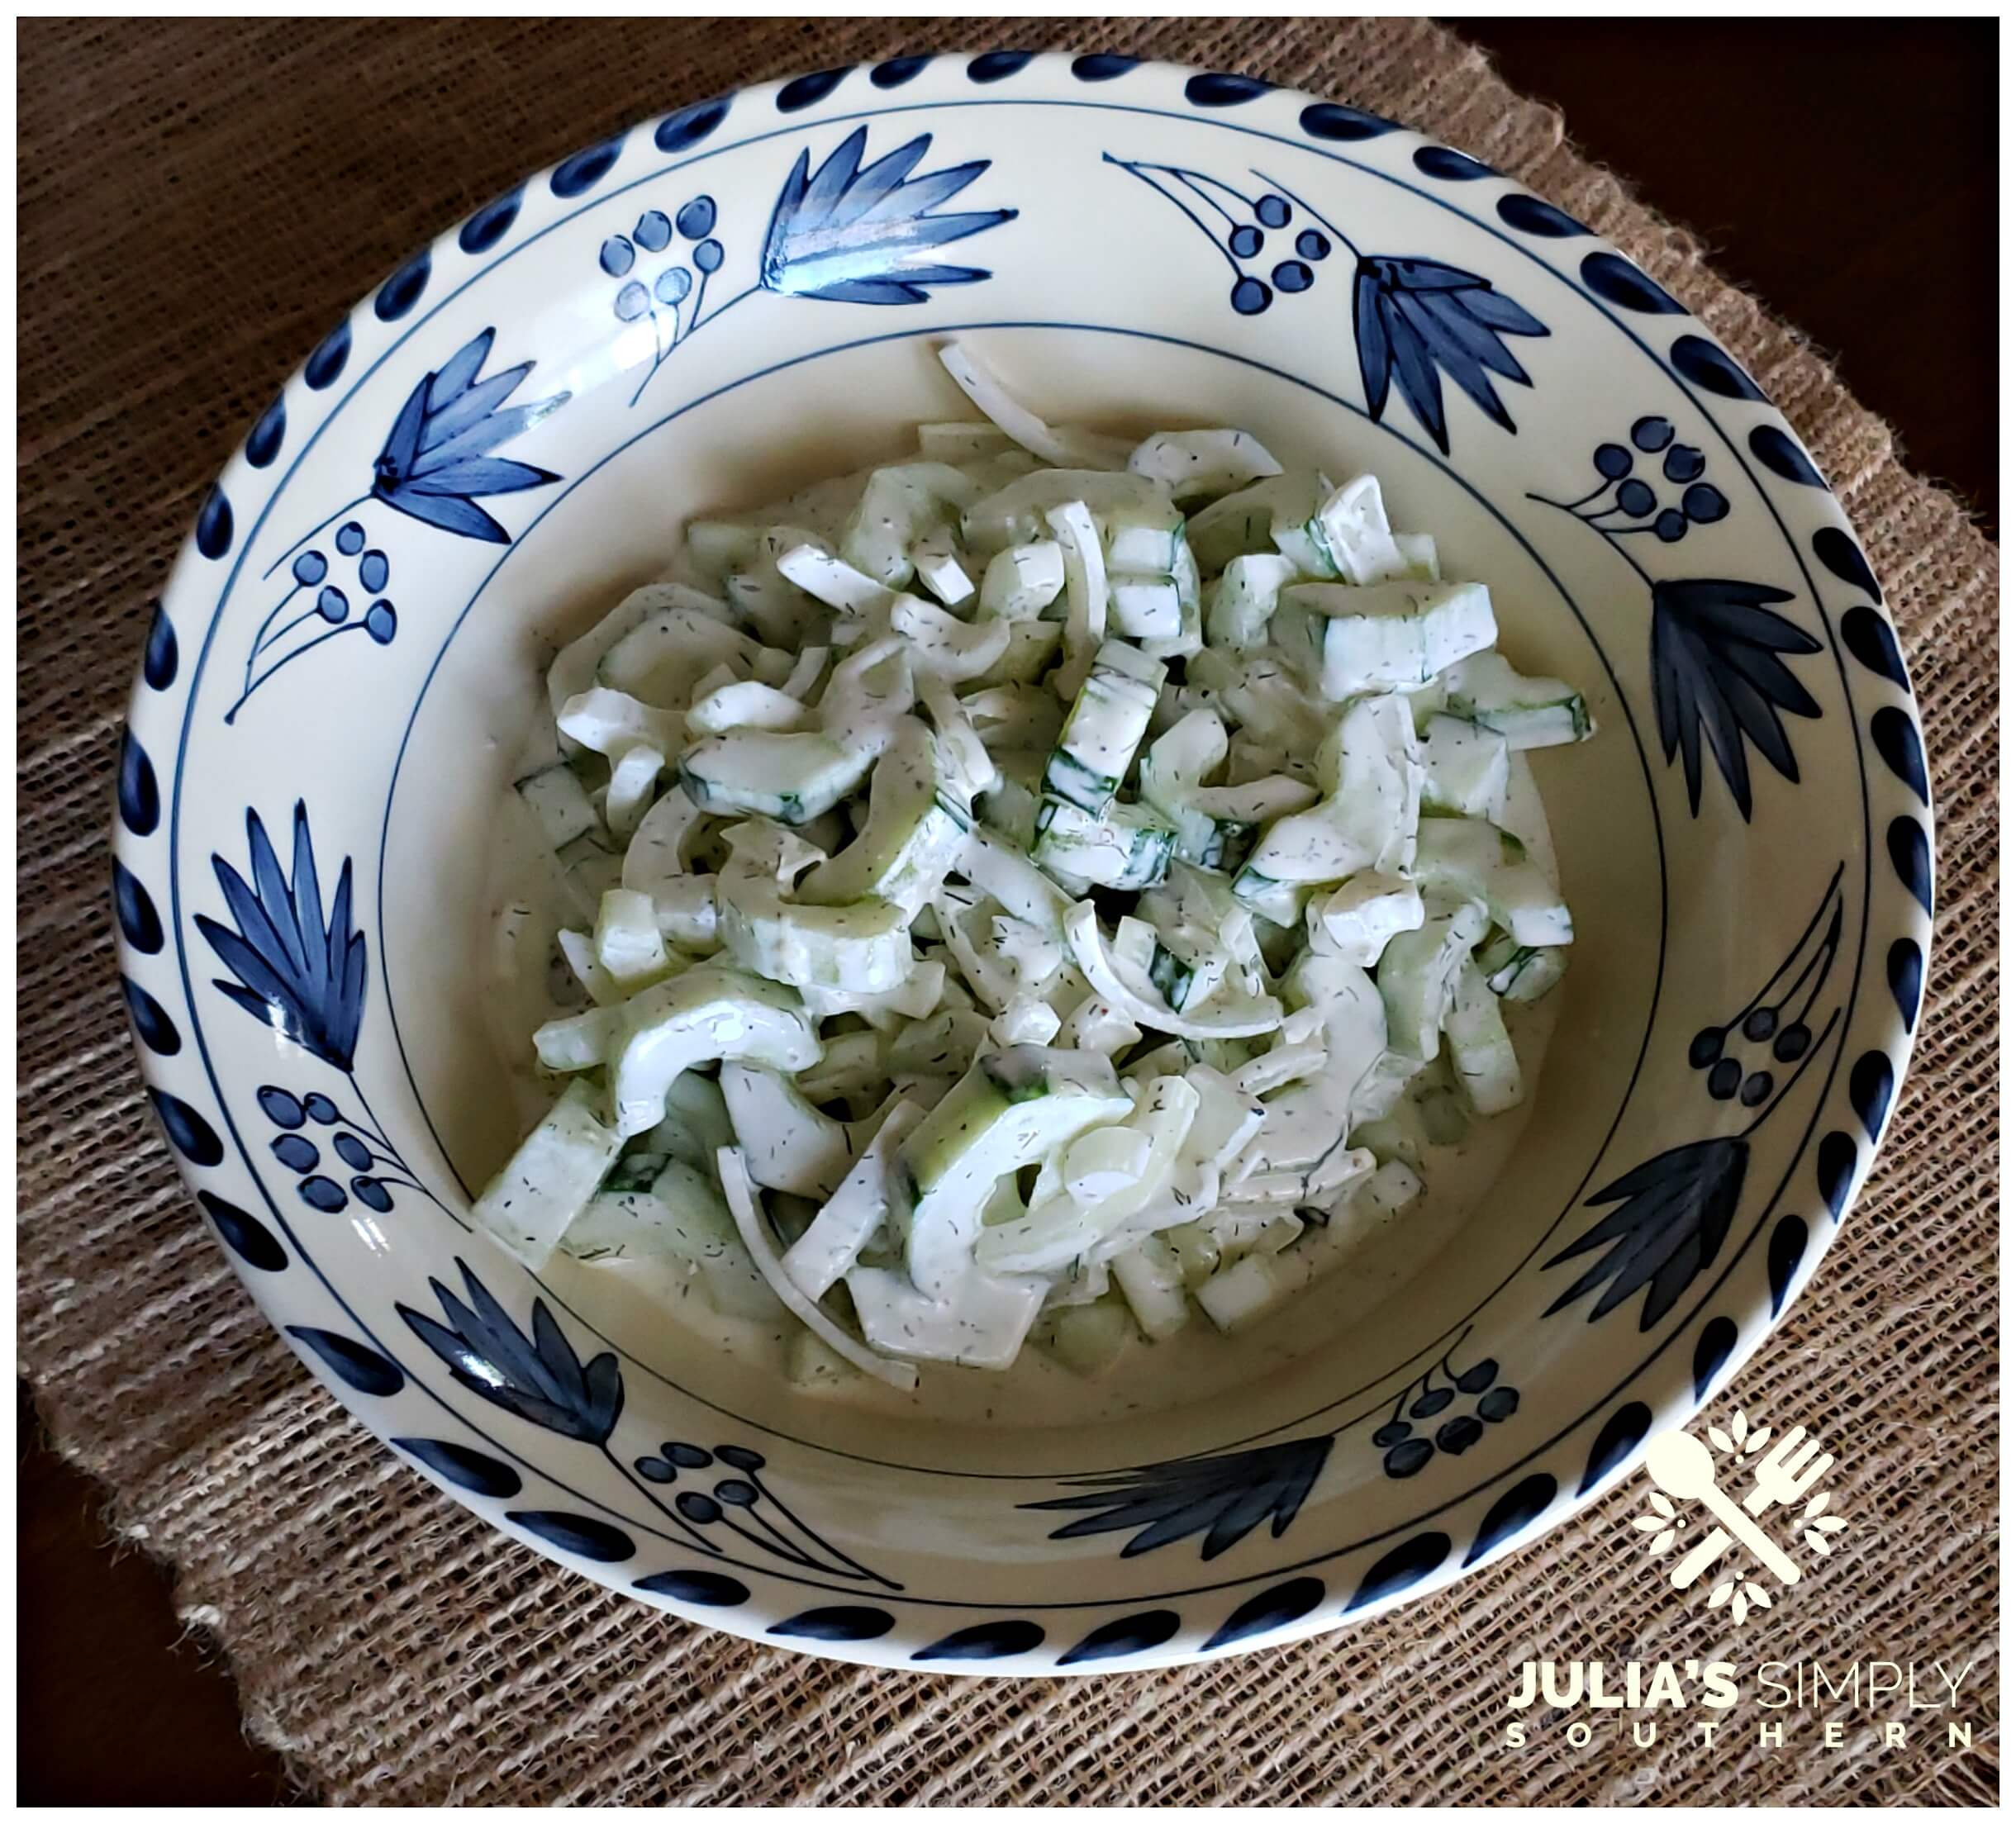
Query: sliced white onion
(1061,449)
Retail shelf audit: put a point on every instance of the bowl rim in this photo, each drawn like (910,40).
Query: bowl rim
(1671,1391)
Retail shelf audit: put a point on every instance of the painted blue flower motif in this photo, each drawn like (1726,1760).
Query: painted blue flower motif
(1673,1214)
(1413,320)
(327,615)
(1416,320)
(1717,674)
(1674,1211)
(1719,677)
(436,463)
(1223,1497)
(1435,1403)
(538,1377)
(301,978)
(856,236)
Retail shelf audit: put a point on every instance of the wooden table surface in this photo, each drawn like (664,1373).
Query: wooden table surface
(1844,172)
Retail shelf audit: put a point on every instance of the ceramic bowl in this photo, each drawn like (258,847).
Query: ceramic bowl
(745,296)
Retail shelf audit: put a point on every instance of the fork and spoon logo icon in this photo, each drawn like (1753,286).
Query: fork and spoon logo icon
(1685,1469)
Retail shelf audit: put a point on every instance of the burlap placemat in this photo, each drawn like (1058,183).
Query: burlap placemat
(195,201)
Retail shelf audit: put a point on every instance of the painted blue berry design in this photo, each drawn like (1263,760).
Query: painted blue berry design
(324,601)
(436,461)
(1414,321)
(846,232)
(1720,681)
(1443,1413)
(1673,1213)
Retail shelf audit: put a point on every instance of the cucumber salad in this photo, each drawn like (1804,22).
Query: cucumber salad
(1051,891)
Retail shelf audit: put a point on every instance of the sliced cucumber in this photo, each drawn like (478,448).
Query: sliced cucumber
(856,1209)
(1243,523)
(1106,723)
(1487,1067)
(1368,819)
(898,506)
(1200,465)
(1023,580)
(1130,847)
(658,660)
(1018,513)
(1243,599)
(910,838)
(555,796)
(1467,856)
(1529,712)
(1390,636)
(1519,971)
(1418,976)
(1465,769)
(708,1012)
(548,1182)
(791,777)
(1145,607)
(786,1144)
(628,943)
(1357,921)
(1356,538)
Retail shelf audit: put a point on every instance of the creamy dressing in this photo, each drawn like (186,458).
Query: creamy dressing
(661,1311)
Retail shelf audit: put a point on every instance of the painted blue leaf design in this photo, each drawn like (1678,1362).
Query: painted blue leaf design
(1530,215)
(1333,121)
(1868,636)
(268,434)
(1673,1216)
(803,91)
(491,223)
(893,71)
(1518,1508)
(213,523)
(1834,1168)
(1911,855)
(475,1471)
(432,466)
(1219,88)
(354,1364)
(709,1588)
(985,1641)
(1872,1083)
(1223,1497)
(1272,1608)
(244,1233)
(1102,67)
(1781,456)
(193,1136)
(1402,1568)
(1623,1431)
(402,292)
(1718,1338)
(1415,319)
(139,923)
(1844,557)
(690,125)
(1905,967)
(325,367)
(1697,359)
(1896,739)
(303,978)
(580,1533)
(1141,1633)
(843,1621)
(1787,1248)
(995,66)
(1717,672)
(150,1020)
(1613,278)
(853,235)
(139,795)
(538,1377)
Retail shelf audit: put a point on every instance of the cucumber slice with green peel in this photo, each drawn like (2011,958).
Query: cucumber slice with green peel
(628,943)
(658,660)
(1244,522)
(1022,580)
(858,1206)
(1004,873)
(1371,813)
(1387,637)
(1480,1051)
(1009,1111)
(863,948)
(674,1212)
(1018,513)
(1469,857)
(1357,921)
(1176,764)
(786,1144)
(555,796)
(1519,971)
(1356,540)
(1418,974)
(1465,769)
(1144,539)
(1124,985)
(961,441)
(1529,712)
(898,506)
(1200,465)
(1145,607)
(793,777)
(611,722)
(1243,599)
(696,1124)
(1107,720)
(707,1012)
(911,839)
(548,1182)
(1188,639)
(1126,849)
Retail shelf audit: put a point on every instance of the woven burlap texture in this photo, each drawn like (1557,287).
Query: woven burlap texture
(197,201)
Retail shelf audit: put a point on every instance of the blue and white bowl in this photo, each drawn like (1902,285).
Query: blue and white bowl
(744,296)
